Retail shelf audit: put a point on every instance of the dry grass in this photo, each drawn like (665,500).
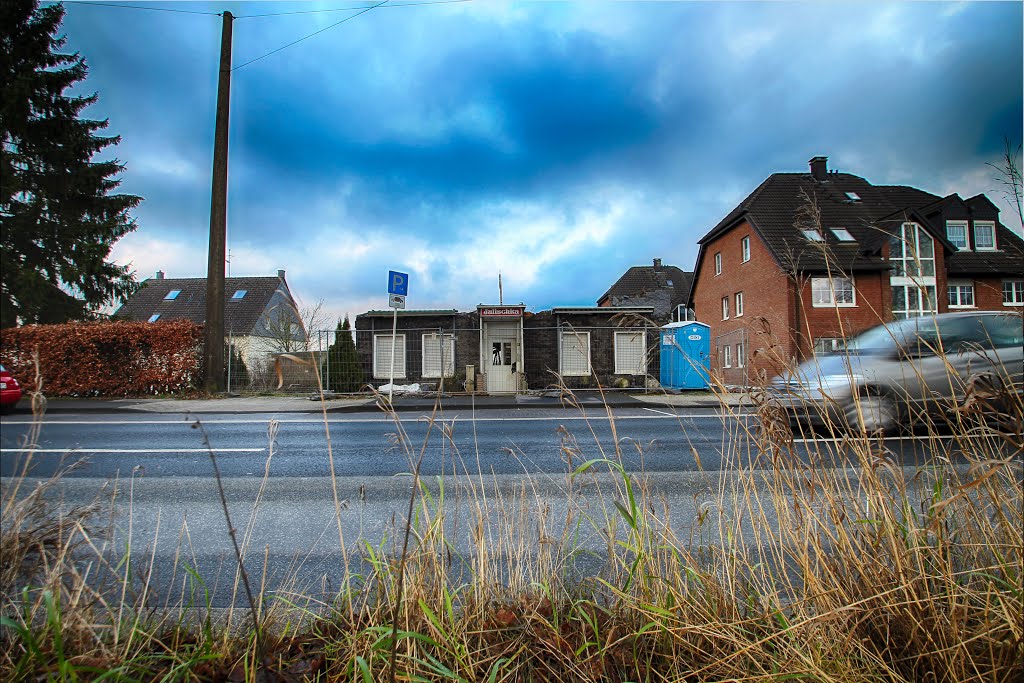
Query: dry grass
(790,569)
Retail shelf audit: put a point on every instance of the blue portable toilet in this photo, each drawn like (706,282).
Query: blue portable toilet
(685,355)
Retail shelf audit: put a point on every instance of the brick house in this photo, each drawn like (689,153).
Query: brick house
(808,259)
(666,289)
(507,349)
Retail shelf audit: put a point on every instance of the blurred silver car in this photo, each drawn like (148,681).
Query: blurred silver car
(892,374)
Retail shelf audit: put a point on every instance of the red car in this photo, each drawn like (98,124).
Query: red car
(10,391)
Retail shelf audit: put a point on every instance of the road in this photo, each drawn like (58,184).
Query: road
(505,467)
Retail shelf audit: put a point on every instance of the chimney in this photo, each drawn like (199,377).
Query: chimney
(657,264)
(280,274)
(159,275)
(819,168)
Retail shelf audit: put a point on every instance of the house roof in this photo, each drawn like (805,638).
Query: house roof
(639,286)
(240,315)
(785,203)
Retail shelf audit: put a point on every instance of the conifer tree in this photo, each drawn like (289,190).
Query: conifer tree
(58,218)
(342,367)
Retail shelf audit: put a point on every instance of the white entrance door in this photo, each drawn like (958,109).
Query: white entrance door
(501,361)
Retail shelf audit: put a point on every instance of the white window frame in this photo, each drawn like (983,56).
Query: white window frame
(989,226)
(628,361)
(955,241)
(813,235)
(740,352)
(434,365)
(725,308)
(718,263)
(957,287)
(738,304)
(727,356)
(578,342)
(172,295)
(684,314)
(1016,292)
(830,289)
(745,248)
(833,344)
(385,360)
(239,294)
(843,235)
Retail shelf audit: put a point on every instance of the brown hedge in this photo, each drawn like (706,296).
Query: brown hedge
(106,358)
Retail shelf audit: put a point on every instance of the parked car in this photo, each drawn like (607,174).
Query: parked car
(10,391)
(892,374)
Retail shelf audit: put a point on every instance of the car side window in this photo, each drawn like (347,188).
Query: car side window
(1003,331)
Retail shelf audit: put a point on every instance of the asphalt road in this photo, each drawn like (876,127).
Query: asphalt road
(504,469)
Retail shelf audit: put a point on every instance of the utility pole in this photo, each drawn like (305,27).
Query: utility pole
(213,331)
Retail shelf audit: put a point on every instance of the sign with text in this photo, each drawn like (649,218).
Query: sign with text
(396,301)
(398,283)
(501,312)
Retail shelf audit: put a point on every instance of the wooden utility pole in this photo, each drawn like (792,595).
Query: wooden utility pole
(213,332)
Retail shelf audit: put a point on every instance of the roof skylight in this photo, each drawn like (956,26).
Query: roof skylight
(843,235)
(153,318)
(853,196)
(172,295)
(239,294)
(813,235)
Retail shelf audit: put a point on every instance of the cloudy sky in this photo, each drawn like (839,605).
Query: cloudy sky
(558,143)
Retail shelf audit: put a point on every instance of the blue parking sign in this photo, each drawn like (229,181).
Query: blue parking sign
(398,283)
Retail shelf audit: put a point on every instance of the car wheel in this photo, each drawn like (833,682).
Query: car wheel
(872,413)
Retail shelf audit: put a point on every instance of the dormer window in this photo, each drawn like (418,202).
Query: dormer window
(956,233)
(813,235)
(984,235)
(843,235)
(172,295)
(153,318)
(239,294)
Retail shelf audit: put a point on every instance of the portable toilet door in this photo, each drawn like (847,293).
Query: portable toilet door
(686,355)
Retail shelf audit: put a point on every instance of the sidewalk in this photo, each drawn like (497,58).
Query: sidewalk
(423,403)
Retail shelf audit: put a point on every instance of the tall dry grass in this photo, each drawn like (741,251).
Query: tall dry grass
(788,565)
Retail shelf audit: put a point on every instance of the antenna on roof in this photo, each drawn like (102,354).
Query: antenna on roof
(228,261)
(501,300)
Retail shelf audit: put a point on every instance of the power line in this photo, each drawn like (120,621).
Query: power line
(350,9)
(151,9)
(295,42)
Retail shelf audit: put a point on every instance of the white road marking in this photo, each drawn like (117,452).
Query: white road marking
(661,412)
(80,449)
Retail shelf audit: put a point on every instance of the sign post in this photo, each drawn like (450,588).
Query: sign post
(398,289)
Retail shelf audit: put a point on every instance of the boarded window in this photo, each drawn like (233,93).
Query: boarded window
(575,356)
(382,356)
(631,353)
(438,355)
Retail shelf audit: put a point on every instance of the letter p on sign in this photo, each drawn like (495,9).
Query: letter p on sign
(398,283)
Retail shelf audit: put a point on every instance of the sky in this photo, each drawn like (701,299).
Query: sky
(558,143)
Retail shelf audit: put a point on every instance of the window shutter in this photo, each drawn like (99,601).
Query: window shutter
(382,356)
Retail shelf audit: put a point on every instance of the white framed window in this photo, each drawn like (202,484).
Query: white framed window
(739,304)
(727,356)
(438,354)
(683,314)
(961,293)
(740,355)
(172,295)
(239,294)
(956,233)
(574,360)
(843,235)
(1013,292)
(745,248)
(829,344)
(912,254)
(984,235)
(910,301)
(836,291)
(382,356)
(812,235)
(631,352)
(725,308)
(153,318)
(718,263)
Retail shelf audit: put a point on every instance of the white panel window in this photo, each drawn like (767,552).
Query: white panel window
(956,233)
(382,356)
(727,356)
(812,235)
(910,301)
(718,263)
(961,294)
(438,355)
(836,291)
(631,353)
(745,248)
(739,304)
(1013,292)
(725,308)
(575,356)
(740,355)
(984,235)
(843,235)
(912,254)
